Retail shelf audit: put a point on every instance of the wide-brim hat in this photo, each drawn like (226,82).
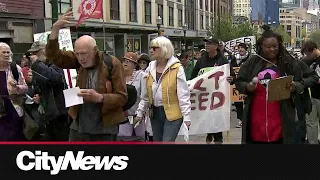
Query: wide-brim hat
(131,56)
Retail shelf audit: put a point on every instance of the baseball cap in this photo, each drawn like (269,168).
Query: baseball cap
(211,40)
(36,46)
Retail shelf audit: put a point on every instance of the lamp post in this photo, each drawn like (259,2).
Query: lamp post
(185,27)
(159,22)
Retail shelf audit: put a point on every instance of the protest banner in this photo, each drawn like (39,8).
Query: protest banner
(234,93)
(210,101)
(65,44)
(232,45)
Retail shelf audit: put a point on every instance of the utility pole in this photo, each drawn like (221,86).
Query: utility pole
(219,19)
(54,10)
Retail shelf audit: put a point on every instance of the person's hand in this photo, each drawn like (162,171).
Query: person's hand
(188,124)
(291,86)
(36,98)
(90,95)
(13,83)
(64,19)
(251,87)
(230,79)
(33,58)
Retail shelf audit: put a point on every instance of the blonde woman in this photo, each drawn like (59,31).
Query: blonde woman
(166,93)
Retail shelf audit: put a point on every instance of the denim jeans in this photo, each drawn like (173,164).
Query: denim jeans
(164,130)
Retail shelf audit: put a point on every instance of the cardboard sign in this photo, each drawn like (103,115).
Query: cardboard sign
(234,93)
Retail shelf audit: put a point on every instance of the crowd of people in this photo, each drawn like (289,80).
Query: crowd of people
(34,88)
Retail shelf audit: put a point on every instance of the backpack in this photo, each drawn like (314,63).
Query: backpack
(131,90)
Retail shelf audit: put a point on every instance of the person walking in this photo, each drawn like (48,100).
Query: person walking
(135,77)
(211,59)
(266,122)
(97,119)
(165,93)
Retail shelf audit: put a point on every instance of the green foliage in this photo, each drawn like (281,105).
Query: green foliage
(315,36)
(229,31)
(283,33)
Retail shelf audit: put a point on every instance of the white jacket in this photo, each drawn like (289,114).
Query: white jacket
(182,90)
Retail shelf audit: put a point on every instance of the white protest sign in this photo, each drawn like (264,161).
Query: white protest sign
(65,44)
(232,45)
(210,99)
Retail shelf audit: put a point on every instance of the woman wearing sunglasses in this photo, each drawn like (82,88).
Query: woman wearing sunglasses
(166,94)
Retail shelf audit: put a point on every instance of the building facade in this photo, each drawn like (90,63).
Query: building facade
(293,20)
(19,20)
(258,11)
(272,13)
(242,8)
(131,24)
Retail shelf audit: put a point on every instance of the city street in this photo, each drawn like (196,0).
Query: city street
(234,134)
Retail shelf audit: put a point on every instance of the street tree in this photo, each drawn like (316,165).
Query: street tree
(315,36)
(229,31)
(280,30)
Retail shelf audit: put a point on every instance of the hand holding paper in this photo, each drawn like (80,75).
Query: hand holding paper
(71,97)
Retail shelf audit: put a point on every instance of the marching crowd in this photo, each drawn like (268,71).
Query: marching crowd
(142,98)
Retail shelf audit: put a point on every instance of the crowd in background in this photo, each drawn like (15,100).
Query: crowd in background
(34,87)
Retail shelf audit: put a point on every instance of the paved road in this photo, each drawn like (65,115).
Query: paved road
(234,134)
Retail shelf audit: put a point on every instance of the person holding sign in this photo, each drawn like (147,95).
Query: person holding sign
(166,93)
(207,62)
(264,121)
(239,59)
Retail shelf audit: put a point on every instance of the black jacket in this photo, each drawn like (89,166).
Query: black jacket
(205,61)
(247,72)
(50,81)
(310,79)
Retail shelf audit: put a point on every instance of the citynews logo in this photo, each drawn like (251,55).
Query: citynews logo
(42,161)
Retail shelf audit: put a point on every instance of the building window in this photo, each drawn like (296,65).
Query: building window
(211,6)
(201,4)
(147,12)
(160,12)
(190,14)
(133,10)
(171,16)
(207,22)
(114,10)
(180,17)
(201,22)
(206,5)
(63,6)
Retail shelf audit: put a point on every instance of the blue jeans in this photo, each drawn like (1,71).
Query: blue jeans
(164,130)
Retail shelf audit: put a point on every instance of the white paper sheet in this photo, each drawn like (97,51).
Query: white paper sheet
(71,97)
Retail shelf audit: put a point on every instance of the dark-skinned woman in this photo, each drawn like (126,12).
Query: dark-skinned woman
(269,122)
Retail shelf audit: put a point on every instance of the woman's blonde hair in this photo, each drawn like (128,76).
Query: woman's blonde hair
(167,50)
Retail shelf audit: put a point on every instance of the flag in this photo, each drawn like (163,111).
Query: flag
(90,9)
